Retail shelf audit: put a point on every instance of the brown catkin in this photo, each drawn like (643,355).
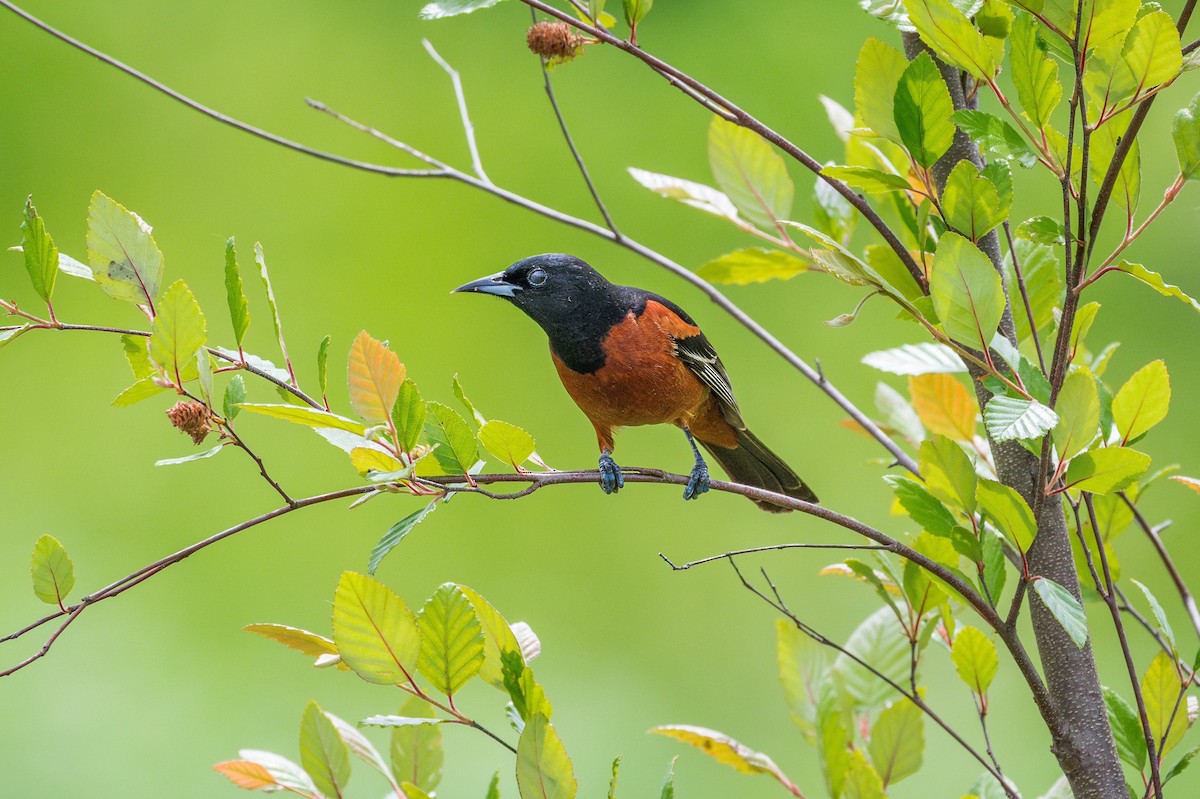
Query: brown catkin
(192,418)
(554,41)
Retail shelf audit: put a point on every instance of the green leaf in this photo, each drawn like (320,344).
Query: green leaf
(1127,729)
(450,8)
(374,630)
(125,260)
(528,696)
(897,414)
(323,364)
(801,666)
(507,442)
(1041,230)
(750,173)
(417,754)
(975,659)
(239,306)
(922,506)
(137,353)
(723,749)
(872,181)
(235,395)
(636,11)
(1152,51)
(695,195)
(179,330)
(752,265)
(952,36)
(498,638)
(494,787)
(1160,692)
(461,396)
(402,721)
(456,451)
(916,359)
(1064,607)
(1033,73)
(1040,266)
(922,108)
(880,641)
(375,374)
(1127,190)
(396,534)
(41,255)
(862,781)
(1009,511)
(1185,129)
(1106,470)
(1143,401)
(898,741)
(451,639)
(832,212)
(142,389)
(302,641)
(1181,764)
(1079,414)
(968,295)
(279,769)
(1156,282)
(612,783)
(363,749)
(998,138)
(261,260)
(948,472)
(323,753)
(52,570)
(668,787)
(197,456)
(876,77)
(1160,616)
(309,417)
(543,769)
(994,563)
(408,415)
(1008,418)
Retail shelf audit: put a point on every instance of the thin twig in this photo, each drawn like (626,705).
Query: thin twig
(1037,340)
(1127,607)
(1185,594)
(468,128)
(685,566)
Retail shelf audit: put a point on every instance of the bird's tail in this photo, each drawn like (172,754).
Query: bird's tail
(751,463)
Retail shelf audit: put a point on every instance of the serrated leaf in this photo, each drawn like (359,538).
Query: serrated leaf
(967,292)
(1041,230)
(260,259)
(374,631)
(179,330)
(636,11)
(1156,282)
(142,389)
(922,109)
(1079,414)
(1143,401)
(668,786)
(40,253)
(362,748)
(723,749)
(916,359)
(695,195)
(239,306)
(1033,73)
(1185,129)
(408,416)
(1160,692)
(247,775)
(921,506)
(451,8)
(1152,51)
(879,641)
(374,374)
(896,414)
(323,753)
(125,260)
(295,638)
(372,462)
(948,472)
(416,749)
(998,139)
(456,452)
(897,741)
(498,637)
(323,364)
(1009,511)
(285,773)
(994,564)
(871,181)
(971,203)
(1064,607)
(506,442)
(1160,616)
(1106,470)
(752,265)
(944,405)
(309,417)
(861,779)
(1181,765)
(876,77)
(196,456)
(1127,729)
(235,395)
(396,534)
(975,659)
(1009,418)
(543,769)
(451,639)
(401,721)
(750,172)
(949,32)
(1040,267)
(52,571)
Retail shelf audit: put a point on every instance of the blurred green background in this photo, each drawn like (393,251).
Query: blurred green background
(145,693)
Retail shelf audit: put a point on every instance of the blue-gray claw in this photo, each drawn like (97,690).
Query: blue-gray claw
(611,479)
(698,483)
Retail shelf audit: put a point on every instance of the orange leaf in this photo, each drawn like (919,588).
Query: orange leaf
(245,774)
(375,375)
(944,405)
(1190,482)
(852,424)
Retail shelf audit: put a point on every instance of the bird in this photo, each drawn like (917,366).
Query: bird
(630,357)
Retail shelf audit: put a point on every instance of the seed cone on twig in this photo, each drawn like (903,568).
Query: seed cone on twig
(192,418)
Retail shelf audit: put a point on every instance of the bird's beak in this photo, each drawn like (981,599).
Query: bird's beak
(492,284)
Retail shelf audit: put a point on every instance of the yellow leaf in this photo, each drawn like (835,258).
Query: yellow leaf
(364,460)
(723,749)
(1190,482)
(944,405)
(375,374)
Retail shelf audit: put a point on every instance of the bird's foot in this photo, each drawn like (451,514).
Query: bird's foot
(698,482)
(611,479)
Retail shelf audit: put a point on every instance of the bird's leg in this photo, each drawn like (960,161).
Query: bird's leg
(698,482)
(611,479)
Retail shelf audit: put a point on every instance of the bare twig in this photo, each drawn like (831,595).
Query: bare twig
(1185,594)
(468,128)
(1037,339)
(685,566)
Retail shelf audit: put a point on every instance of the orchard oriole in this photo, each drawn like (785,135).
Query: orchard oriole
(629,357)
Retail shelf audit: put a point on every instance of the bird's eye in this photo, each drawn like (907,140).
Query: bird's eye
(537,277)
